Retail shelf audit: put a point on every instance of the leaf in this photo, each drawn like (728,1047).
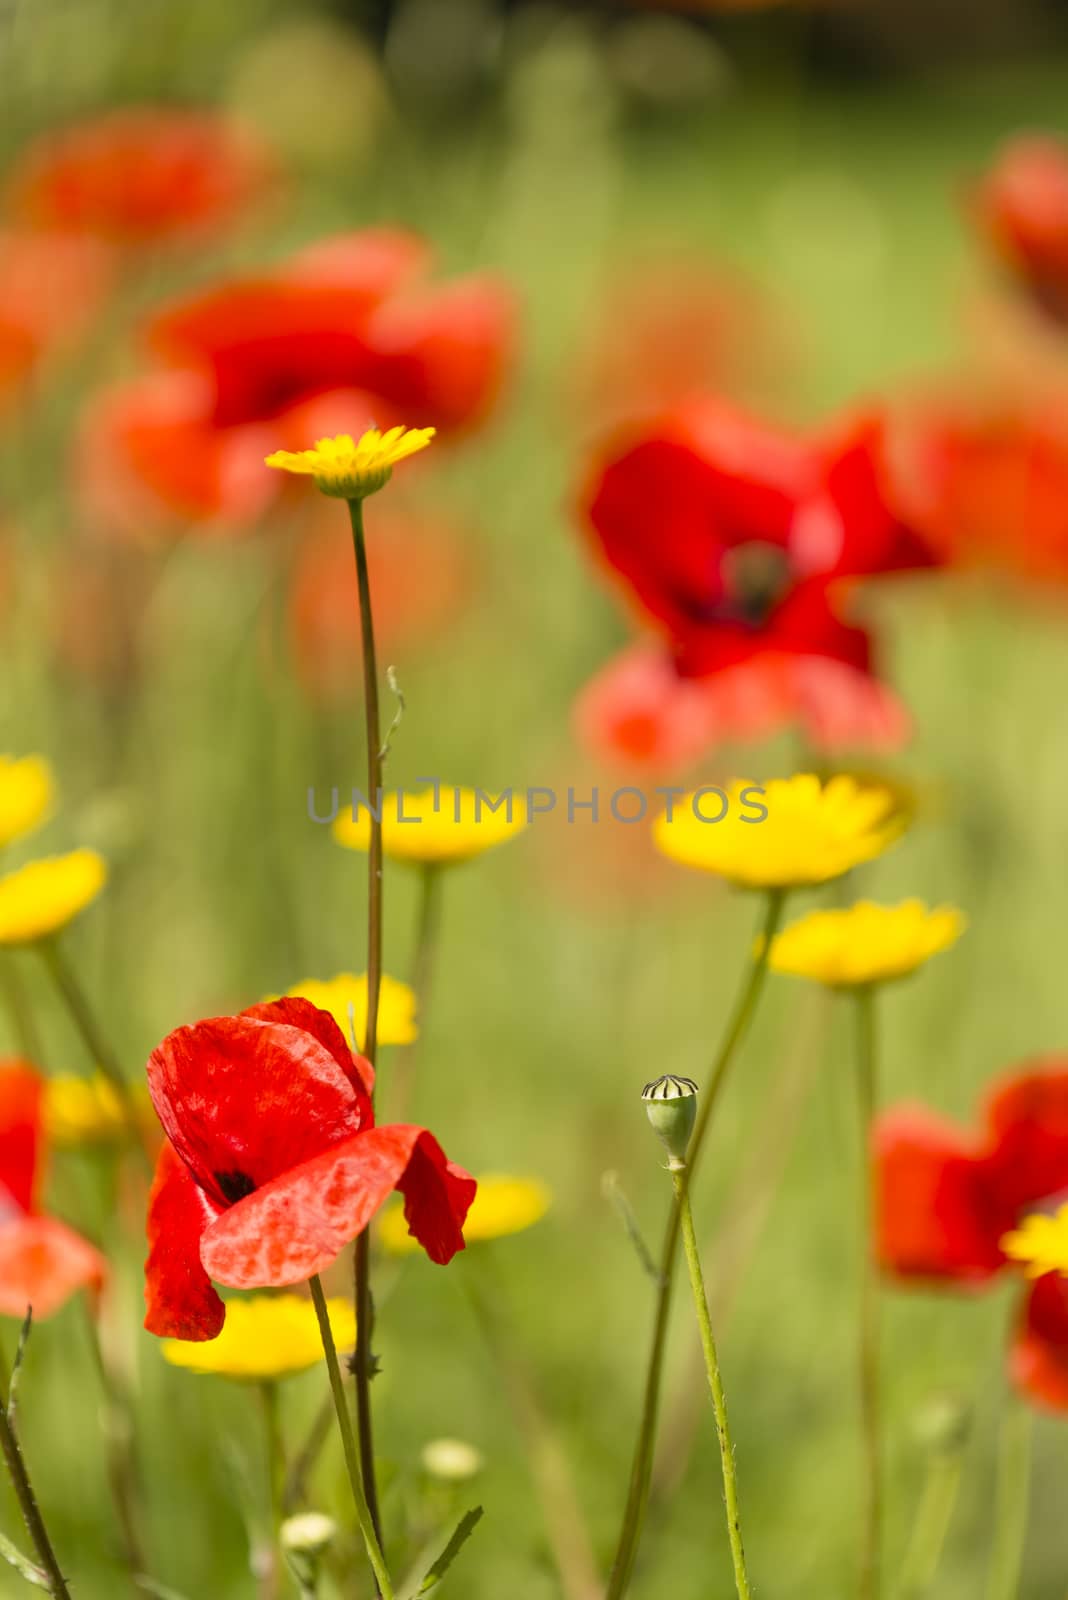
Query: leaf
(414,1586)
(613,1192)
(22,1564)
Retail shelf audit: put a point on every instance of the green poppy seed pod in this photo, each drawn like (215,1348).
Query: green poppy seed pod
(671,1105)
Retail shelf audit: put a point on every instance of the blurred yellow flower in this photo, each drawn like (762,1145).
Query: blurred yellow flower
(867,943)
(1040,1243)
(42,897)
(438,826)
(396,1005)
(26,795)
(351,469)
(812,832)
(265,1336)
(89,1111)
(502,1205)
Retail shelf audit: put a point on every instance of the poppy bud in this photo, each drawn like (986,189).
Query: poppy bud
(305,1539)
(671,1104)
(941,1425)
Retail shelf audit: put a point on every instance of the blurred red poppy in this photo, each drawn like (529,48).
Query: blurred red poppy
(273,1163)
(408,616)
(50,288)
(670,328)
(1022,207)
(638,710)
(338,336)
(740,542)
(988,481)
(946,1199)
(141,176)
(42,1261)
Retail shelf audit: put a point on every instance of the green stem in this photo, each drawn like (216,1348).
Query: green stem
(122,1471)
(276,1463)
(1013,1498)
(26,1035)
(868,1323)
(363,1364)
(931,1526)
(99,1050)
(680,1181)
(348,1444)
(642,1465)
(429,917)
(31,1512)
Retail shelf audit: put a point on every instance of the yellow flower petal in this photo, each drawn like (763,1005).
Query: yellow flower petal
(502,1205)
(351,469)
(27,793)
(265,1336)
(867,943)
(43,896)
(437,826)
(396,1005)
(813,831)
(85,1111)
(1040,1243)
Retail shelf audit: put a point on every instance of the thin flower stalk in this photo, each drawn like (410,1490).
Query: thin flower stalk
(363,1363)
(641,1470)
(31,1512)
(868,1325)
(348,1444)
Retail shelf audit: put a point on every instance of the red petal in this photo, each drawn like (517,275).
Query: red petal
(298,1224)
(443,353)
(937,1216)
(180,1301)
(1028,1120)
(244,1100)
(1038,1359)
(296,1012)
(20,1136)
(42,1263)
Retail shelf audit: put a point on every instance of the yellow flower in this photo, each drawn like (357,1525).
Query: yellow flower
(351,469)
(265,1336)
(437,827)
(26,795)
(43,896)
(866,943)
(88,1110)
(1040,1243)
(396,1005)
(812,832)
(502,1205)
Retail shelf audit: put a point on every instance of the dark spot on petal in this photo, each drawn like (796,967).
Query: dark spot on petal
(234,1186)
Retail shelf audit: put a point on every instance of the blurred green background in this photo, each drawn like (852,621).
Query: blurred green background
(825,161)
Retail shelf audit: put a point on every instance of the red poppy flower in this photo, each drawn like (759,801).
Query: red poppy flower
(740,542)
(946,1199)
(273,1163)
(1022,207)
(140,176)
(734,537)
(50,288)
(42,1261)
(341,334)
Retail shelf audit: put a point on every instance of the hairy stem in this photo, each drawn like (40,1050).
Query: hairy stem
(363,1363)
